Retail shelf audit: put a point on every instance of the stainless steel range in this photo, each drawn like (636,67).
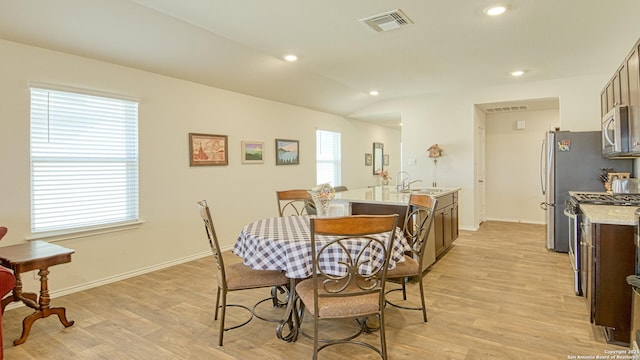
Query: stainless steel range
(572,211)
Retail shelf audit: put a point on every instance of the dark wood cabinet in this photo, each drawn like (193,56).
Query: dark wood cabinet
(445,222)
(438,229)
(610,258)
(632,81)
(624,89)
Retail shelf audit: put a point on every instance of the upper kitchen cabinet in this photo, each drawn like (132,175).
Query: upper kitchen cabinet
(632,88)
(624,89)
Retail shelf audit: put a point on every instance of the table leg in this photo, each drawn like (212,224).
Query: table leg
(30,299)
(291,320)
(43,310)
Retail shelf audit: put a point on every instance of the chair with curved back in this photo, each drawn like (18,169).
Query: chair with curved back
(348,282)
(416,228)
(293,202)
(237,277)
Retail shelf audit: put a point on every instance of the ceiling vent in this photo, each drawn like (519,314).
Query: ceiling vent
(390,20)
(507,108)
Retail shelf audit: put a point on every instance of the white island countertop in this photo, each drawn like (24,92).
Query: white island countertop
(610,214)
(388,194)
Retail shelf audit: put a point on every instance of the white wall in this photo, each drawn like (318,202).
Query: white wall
(169,188)
(512,164)
(449,120)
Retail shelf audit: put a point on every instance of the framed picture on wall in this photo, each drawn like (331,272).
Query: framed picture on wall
(287,152)
(252,152)
(368,159)
(208,150)
(386,159)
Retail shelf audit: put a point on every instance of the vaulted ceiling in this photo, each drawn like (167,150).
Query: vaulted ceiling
(238,44)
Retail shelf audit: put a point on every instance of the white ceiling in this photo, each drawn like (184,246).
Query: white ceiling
(237,44)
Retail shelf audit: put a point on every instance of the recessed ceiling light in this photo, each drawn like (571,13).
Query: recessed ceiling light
(495,10)
(290,57)
(517,73)
(374,93)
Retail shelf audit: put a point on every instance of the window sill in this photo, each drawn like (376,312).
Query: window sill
(54,236)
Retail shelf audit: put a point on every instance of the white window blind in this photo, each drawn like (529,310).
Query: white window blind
(84,161)
(328,159)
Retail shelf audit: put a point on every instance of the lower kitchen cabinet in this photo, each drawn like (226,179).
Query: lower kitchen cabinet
(608,258)
(445,222)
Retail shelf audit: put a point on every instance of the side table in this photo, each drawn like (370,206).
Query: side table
(30,256)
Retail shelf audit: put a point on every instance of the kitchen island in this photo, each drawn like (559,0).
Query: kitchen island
(381,200)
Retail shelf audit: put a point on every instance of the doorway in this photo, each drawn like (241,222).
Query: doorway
(507,142)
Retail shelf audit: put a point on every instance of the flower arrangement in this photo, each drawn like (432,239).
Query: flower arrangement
(384,174)
(322,196)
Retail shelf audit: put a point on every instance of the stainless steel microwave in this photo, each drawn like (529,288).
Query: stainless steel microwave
(615,131)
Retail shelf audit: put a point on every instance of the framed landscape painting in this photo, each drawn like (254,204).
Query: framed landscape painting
(287,152)
(207,150)
(252,152)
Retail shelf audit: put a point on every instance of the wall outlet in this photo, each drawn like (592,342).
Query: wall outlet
(412,162)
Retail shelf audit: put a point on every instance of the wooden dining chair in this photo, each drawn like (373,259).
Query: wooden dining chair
(348,280)
(236,277)
(417,225)
(293,202)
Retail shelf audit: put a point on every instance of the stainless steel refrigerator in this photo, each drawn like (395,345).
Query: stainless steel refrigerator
(571,161)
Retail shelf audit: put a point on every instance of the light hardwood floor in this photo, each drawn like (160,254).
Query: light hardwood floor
(497,294)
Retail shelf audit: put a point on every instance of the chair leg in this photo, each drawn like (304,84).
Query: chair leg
(315,337)
(424,307)
(383,339)
(222,316)
(404,289)
(215,317)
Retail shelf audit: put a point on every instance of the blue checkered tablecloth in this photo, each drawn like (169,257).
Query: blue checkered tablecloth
(284,243)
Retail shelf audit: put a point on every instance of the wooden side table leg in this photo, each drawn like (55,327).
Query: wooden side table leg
(62,316)
(43,310)
(45,300)
(26,326)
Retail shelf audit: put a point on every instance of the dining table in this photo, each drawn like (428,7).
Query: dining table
(284,244)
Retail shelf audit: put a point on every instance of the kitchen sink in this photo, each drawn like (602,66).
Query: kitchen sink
(428,191)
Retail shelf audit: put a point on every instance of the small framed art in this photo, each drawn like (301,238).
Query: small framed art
(208,150)
(368,159)
(386,159)
(287,152)
(252,152)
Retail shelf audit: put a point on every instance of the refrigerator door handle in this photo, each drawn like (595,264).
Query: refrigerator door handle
(545,205)
(542,172)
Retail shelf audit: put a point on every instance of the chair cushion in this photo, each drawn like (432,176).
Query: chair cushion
(240,276)
(409,267)
(338,307)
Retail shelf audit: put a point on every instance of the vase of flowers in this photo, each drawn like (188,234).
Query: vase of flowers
(384,177)
(322,196)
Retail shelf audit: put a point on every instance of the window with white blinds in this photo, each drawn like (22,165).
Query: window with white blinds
(328,159)
(84,161)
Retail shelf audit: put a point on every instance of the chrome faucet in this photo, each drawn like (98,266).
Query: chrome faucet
(401,180)
(403,184)
(408,189)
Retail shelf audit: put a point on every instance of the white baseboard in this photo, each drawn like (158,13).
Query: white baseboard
(517,221)
(123,276)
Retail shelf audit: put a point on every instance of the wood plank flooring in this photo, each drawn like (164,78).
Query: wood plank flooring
(497,294)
